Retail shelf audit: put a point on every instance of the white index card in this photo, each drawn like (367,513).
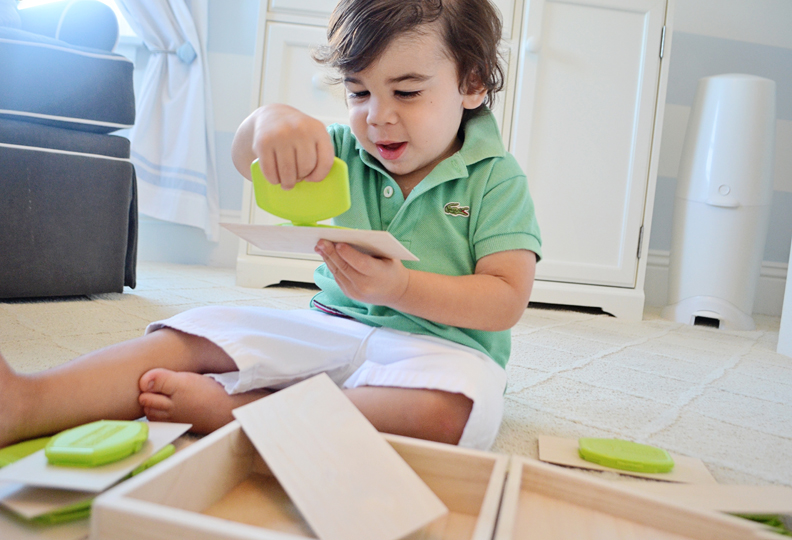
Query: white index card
(35,470)
(344,478)
(291,239)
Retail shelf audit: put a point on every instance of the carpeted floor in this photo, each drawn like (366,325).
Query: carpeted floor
(724,397)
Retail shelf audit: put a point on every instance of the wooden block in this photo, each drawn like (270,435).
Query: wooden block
(734,499)
(563,451)
(347,482)
(220,488)
(543,501)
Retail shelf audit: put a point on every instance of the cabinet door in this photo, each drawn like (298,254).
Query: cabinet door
(584,119)
(292,77)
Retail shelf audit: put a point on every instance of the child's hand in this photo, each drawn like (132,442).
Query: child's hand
(362,277)
(290,146)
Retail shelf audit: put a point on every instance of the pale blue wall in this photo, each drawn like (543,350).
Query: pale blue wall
(694,56)
(231,47)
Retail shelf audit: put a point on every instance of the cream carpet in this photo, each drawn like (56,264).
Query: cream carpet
(723,397)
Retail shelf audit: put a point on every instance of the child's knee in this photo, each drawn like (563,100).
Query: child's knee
(448,414)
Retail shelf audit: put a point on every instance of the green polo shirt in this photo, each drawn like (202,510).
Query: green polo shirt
(472,204)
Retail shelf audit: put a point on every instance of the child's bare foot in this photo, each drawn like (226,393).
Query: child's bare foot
(190,398)
(12,401)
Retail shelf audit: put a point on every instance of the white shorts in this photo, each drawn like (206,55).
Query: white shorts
(275,348)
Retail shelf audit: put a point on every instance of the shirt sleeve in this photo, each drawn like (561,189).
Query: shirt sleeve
(507,220)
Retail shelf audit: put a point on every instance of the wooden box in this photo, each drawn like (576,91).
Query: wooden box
(220,488)
(542,501)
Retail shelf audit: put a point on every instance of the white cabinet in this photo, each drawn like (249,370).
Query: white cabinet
(586,130)
(581,110)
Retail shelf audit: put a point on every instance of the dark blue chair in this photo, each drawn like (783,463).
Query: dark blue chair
(68,204)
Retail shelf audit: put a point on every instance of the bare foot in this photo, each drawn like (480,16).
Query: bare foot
(190,398)
(12,406)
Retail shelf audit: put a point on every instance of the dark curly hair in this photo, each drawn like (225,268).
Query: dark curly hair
(360,31)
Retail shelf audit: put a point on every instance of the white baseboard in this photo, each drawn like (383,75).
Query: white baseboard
(769,298)
(161,241)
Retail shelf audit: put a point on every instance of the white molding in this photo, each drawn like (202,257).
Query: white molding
(769,292)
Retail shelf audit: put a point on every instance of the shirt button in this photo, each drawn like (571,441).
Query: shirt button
(388,192)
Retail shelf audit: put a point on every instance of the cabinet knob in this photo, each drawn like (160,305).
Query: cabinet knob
(532,45)
(319,82)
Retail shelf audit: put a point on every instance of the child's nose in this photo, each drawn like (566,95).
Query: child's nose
(380,112)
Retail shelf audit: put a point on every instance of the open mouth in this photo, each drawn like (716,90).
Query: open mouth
(391,151)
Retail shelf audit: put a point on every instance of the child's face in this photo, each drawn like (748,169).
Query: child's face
(406,108)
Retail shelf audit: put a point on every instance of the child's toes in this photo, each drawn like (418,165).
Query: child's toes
(156,407)
(156,415)
(158,381)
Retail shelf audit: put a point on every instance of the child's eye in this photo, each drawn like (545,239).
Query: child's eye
(407,95)
(358,95)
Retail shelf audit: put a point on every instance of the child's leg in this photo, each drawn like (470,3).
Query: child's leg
(101,384)
(424,414)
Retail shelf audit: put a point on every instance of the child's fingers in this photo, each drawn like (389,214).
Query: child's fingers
(286,163)
(268,167)
(336,263)
(325,154)
(357,261)
(299,162)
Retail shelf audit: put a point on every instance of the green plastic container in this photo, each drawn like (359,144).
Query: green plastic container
(307,202)
(625,455)
(15,452)
(97,443)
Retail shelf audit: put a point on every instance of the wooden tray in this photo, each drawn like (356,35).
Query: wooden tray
(220,488)
(543,502)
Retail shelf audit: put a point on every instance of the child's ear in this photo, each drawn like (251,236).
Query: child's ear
(474,94)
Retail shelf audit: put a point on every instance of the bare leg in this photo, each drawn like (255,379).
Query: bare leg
(170,396)
(101,384)
(201,401)
(424,414)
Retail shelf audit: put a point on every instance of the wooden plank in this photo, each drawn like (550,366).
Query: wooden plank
(345,479)
(582,498)
(553,519)
(563,451)
(734,499)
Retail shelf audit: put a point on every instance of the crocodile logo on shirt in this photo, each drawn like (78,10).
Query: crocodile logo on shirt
(454,209)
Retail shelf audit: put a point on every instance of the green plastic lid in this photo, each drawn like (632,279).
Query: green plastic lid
(307,202)
(97,443)
(15,452)
(81,509)
(625,455)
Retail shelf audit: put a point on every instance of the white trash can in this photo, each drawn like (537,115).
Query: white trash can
(722,205)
